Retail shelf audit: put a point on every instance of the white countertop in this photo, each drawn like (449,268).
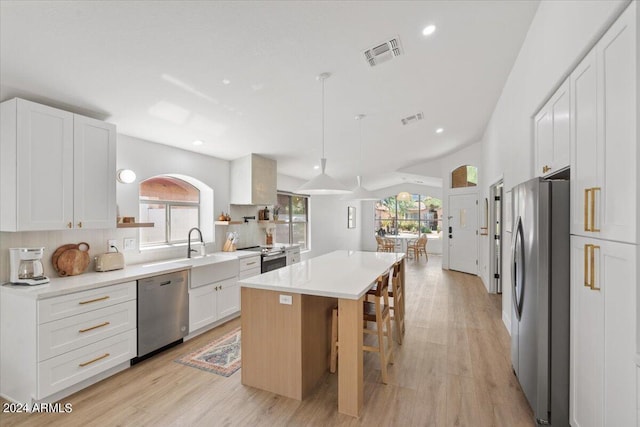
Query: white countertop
(90,280)
(339,274)
(66,285)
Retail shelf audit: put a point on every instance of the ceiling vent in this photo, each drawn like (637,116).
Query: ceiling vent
(383,52)
(412,119)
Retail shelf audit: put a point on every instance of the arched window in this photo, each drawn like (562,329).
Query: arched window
(173,205)
(464,176)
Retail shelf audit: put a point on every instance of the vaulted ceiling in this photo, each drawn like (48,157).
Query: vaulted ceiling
(241,76)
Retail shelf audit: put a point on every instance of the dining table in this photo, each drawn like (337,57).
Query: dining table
(286,324)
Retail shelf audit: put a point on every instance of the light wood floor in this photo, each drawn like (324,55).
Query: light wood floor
(452,370)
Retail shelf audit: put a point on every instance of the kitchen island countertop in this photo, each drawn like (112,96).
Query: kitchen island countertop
(339,274)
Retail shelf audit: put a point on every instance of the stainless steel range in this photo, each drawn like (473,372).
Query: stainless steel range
(272,257)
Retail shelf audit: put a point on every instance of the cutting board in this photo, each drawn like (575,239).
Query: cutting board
(71,259)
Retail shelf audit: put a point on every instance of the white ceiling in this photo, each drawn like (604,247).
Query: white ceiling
(156,70)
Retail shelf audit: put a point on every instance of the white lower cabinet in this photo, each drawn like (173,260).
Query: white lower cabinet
(49,347)
(603,333)
(63,371)
(212,302)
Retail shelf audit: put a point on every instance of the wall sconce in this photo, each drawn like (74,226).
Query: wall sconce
(126,176)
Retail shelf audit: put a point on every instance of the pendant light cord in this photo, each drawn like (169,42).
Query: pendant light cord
(360,167)
(323,79)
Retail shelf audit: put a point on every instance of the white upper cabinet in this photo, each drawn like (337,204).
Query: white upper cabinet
(253,181)
(604,158)
(94,165)
(553,133)
(57,169)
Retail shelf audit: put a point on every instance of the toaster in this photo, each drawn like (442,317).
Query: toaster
(109,261)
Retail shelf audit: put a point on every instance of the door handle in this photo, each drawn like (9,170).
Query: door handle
(593,209)
(593,268)
(587,278)
(587,191)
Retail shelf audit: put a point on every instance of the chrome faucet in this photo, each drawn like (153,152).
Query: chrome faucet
(189,250)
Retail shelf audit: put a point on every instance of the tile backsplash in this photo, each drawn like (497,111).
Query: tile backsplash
(249,234)
(97,240)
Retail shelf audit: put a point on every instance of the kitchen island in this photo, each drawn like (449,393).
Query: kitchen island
(286,317)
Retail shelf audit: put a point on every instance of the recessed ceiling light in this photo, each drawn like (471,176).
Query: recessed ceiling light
(428,30)
(226,81)
(198,142)
(439,130)
(316,167)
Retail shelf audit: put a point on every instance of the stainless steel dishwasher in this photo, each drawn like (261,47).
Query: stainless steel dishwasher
(163,311)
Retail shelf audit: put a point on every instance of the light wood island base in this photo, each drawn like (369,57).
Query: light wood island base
(285,348)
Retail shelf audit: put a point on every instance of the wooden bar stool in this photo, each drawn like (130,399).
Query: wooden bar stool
(397,294)
(377,311)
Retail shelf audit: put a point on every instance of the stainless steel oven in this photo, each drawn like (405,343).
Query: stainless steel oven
(272,257)
(273,261)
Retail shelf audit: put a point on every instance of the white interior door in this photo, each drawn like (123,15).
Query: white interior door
(463,233)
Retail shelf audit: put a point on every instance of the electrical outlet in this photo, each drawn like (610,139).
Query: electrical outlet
(286,299)
(129,244)
(111,242)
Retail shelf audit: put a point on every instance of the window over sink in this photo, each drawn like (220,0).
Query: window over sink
(173,205)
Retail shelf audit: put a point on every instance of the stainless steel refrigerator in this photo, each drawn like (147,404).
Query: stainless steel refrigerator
(540,290)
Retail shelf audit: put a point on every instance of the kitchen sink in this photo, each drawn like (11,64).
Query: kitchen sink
(206,269)
(212,268)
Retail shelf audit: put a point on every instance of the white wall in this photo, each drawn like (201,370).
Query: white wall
(328,221)
(560,34)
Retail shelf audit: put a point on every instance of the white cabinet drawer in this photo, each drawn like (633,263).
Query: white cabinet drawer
(70,368)
(249,273)
(249,263)
(82,302)
(70,333)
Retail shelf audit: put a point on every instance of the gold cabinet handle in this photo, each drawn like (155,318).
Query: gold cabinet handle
(251,263)
(587,282)
(593,209)
(587,191)
(80,224)
(83,364)
(69,224)
(546,169)
(593,268)
(94,327)
(94,300)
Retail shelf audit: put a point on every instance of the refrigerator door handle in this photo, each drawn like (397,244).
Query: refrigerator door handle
(517,268)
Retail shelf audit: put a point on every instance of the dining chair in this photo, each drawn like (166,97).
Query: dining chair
(417,247)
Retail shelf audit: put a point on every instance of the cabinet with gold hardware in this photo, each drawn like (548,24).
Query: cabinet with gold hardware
(54,346)
(213,302)
(604,296)
(604,140)
(552,133)
(57,169)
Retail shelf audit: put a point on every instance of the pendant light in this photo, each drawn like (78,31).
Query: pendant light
(403,196)
(361,193)
(323,183)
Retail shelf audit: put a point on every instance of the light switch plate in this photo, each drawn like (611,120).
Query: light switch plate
(286,299)
(129,244)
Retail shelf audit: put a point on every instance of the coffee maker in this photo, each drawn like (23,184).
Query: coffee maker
(25,266)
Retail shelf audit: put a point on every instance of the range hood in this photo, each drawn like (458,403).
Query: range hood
(253,181)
